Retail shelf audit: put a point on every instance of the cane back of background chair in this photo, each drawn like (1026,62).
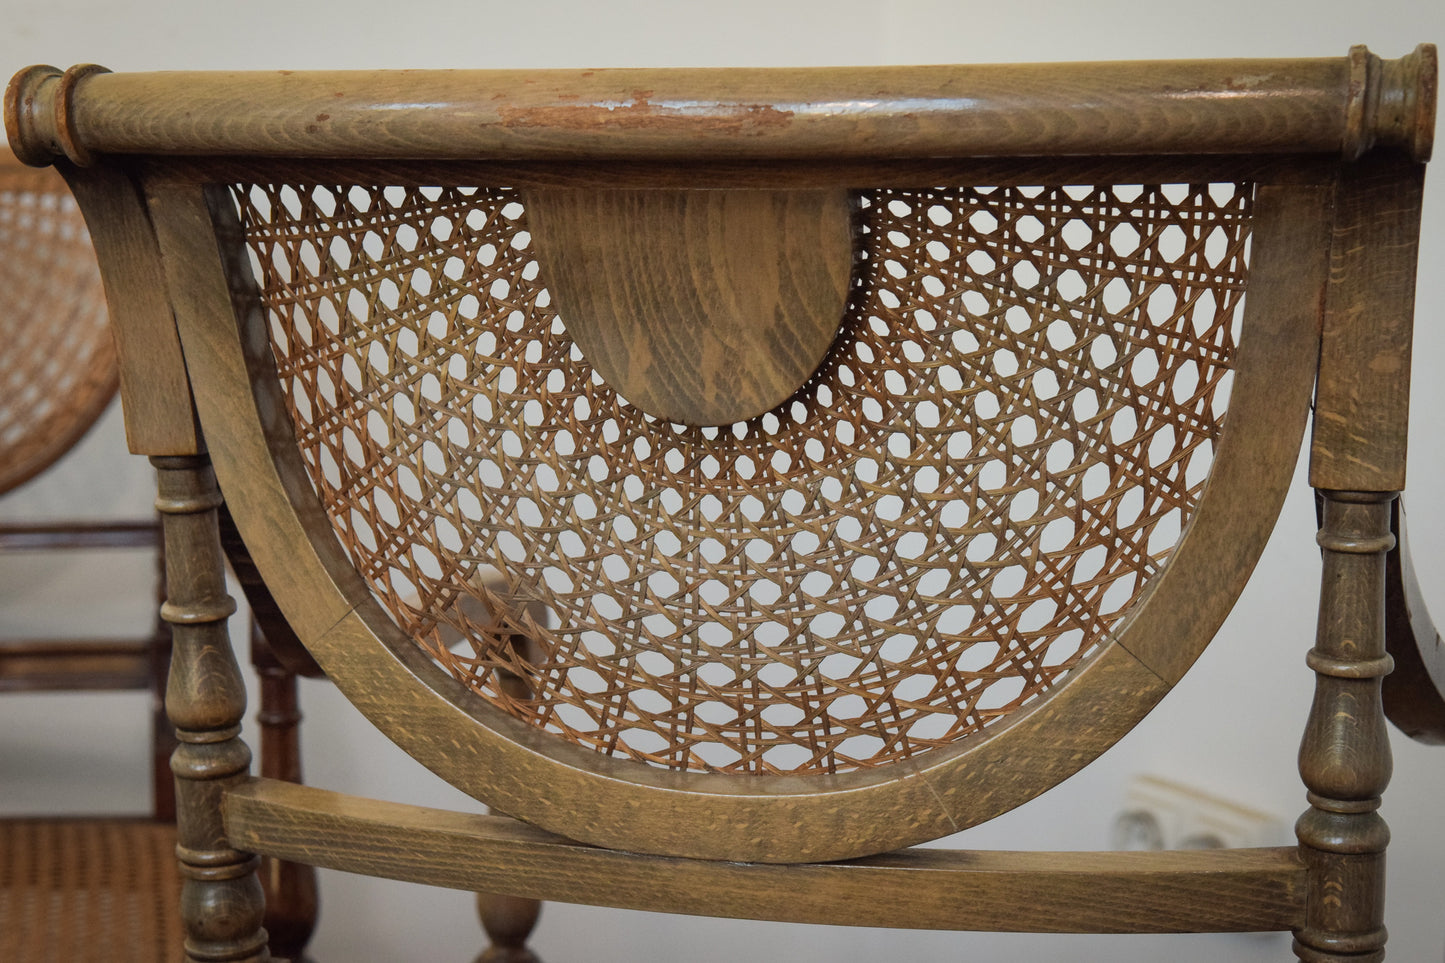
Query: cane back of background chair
(69,885)
(59,363)
(770,465)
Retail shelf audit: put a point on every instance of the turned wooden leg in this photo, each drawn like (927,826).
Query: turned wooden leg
(508,921)
(221,900)
(163,735)
(1345,755)
(292,903)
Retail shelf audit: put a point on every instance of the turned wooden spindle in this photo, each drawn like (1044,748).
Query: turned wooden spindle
(221,900)
(1345,755)
(163,736)
(292,901)
(509,920)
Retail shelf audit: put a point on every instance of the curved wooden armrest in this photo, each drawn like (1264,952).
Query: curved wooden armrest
(1415,692)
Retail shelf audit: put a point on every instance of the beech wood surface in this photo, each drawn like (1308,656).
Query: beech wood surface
(700,307)
(1329,290)
(519,770)
(155,395)
(1222,106)
(221,898)
(1363,398)
(1243,890)
(1344,757)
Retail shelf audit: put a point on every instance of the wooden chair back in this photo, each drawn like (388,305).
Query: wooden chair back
(733,472)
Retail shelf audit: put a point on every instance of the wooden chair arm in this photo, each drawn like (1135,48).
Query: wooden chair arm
(1415,692)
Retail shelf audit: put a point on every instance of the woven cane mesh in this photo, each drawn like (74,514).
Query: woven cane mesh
(87,889)
(59,368)
(1001,449)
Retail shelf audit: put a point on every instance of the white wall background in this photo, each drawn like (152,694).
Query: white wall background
(1233,724)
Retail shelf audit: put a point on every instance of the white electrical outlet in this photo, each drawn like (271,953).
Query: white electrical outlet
(1162,814)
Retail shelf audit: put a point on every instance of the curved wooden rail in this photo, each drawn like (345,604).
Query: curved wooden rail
(1415,692)
(1328,105)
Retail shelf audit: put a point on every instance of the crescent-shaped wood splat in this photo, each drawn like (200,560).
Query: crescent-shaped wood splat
(701,307)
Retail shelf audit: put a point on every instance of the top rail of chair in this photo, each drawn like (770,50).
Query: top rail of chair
(1344,105)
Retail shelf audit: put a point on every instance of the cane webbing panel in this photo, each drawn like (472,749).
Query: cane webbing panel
(59,368)
(87,889)
(1002,447)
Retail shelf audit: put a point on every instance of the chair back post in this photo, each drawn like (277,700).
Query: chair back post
(1358,468)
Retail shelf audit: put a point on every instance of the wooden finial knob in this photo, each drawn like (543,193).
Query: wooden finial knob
(40,114)
(1392,102)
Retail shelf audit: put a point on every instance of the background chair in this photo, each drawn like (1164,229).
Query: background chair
(71,887)
(319,306)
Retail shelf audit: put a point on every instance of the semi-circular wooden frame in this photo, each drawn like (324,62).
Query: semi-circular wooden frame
(627,805)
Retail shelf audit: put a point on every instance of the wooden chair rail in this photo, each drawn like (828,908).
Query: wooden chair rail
(1341,106)
(79,664)
(1169,892)
(83,535)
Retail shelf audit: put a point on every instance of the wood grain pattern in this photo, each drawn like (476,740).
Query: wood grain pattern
(221,899)
(1362,400)
(155,394)
(361,600)
(1345,758)
(929,888)
(1225,106)
(699,307)
(519,770)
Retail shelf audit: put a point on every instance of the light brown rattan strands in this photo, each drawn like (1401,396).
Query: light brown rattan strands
(59,366)
(87,889)
(1003,446)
